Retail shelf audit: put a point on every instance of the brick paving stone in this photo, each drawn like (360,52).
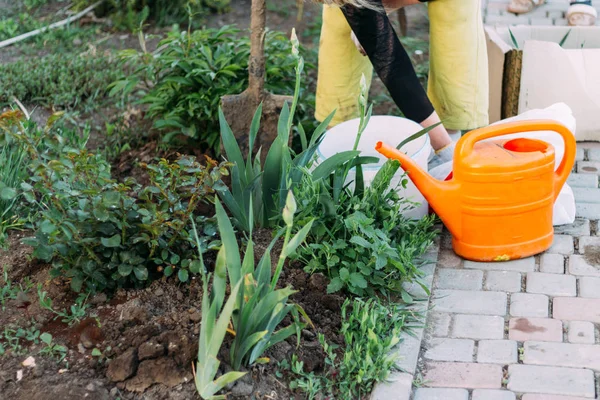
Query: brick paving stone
(503,281)
(578,265)
(528,305)
(408,351)
(552,263)
(507,19)
(444,349)
(576,309)
(440,394)
(488,394)
(477,327)
(397,387)
(461,279)
(562,354)
(580,153)
(586,242)
(589,287)
(583,180)
(530,396)
(463,375)
(588,167)
(469,302)
(551,284)
(497,352)
(581,332)
(522,265)
(594,154)
(587,210)
(543,329)
(562,244)
(449,259)
(551,380)
(581,227)
(438,324)
(586,195)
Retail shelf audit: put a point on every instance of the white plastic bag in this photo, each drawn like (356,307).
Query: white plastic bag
(564,207)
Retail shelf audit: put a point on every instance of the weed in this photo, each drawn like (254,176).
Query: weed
(60,81)
(77,310)
(8,291)
(51,349)
(11,339)
(371,329)
(13,170)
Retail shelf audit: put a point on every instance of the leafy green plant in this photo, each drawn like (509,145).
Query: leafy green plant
(13,170)
(104,233)
(54,350)
(59,80)
(361,239)
(257,193)
(183,81)
(371,330)
(11,339)
(8,291)
(77,310)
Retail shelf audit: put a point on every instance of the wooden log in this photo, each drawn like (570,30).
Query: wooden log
(511,83)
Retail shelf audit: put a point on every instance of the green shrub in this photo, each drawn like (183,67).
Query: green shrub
(183,82)
(13,170)
(103,234)
(60,81)
(371,329)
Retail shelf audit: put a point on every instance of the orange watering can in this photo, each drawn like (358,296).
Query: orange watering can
(498,204)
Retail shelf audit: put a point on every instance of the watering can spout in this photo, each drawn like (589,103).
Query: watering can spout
(441,195)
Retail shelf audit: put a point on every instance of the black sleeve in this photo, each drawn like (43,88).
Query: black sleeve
(376,34)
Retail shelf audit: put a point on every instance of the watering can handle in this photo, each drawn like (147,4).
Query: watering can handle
(467,142)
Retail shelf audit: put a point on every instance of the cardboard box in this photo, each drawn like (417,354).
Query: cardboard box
(536,72)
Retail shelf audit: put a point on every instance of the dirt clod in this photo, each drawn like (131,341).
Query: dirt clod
(150,349)
(123,367)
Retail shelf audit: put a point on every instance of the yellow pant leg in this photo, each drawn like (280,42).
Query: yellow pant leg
(458,77)
(341,67)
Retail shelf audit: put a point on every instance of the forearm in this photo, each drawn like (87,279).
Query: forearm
(390,60)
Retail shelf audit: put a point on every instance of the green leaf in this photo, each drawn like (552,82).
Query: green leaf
(183,275)
(298,239)
(356,279)
(125,269)
(141,273)
(333,163)
(96,353)
(335,285)
(168,271)
(77,283)
(406,297)
(195,267)
(417,135)
(46,338)
(7,193)
(362,242)
(113,241)
(47,227)
(344,274)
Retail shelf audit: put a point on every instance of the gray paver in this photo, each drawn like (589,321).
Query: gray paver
(551,380)
(469,302)
(562,354)
(552,263)
(587,195)
(578,265)
(576,309)
(528,305)
(588,241)
(562,244)
(440,394)
(594,154)
(497,352)
(522,265)
(445,349)
(551,284)
(583,180)
(581,227)
(503,281)
(588,167)
(408,352)
(581,332)
(477,327)
(397,387)
(587,210)
(438,324)
(488,394)
(461,279)
(589,287)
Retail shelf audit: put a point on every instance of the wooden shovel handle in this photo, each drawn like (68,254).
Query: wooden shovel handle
(256,64)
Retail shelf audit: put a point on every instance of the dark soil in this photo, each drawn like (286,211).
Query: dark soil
(148,338)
